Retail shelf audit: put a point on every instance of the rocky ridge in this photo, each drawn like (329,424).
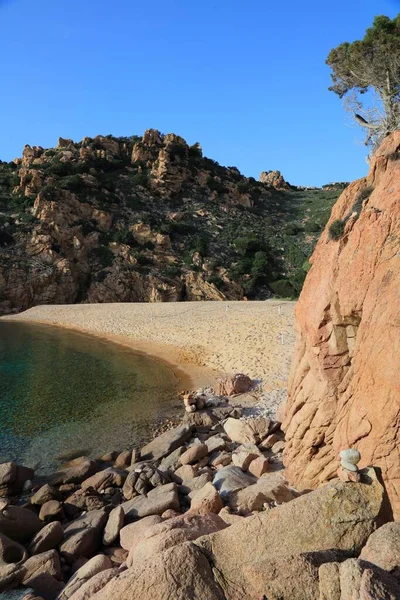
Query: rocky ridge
(148,219)
(343,388)
(202,512)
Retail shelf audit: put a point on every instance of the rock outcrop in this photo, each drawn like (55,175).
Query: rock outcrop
(344,386)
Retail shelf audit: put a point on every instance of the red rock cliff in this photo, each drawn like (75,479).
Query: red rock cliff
(344,388)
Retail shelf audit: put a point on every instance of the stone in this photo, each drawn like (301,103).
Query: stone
(206,500)
(51,510)
(221,459)
(43,573)
(13,478)
(259,466)
(80,500)
(270,440)
(78,470)
(82,537)
(19,524)
(11,551)
(383,548)
(269,489)
(345,370)
(150,580)
(130,535)
(184,472)
(278,447)
(231,479)
(247,431)
(124,459)
(190,486)
(229,517)
(243,456)
(95,565)
(103,479)
(194,453)
(175,531)
(164,444)
(156,502)
(47,538)
(44,494)
(215,443)
(235,384)
(348,475)
(95,584)
(170,514)
(10,576)
(356,579)
(173,461)
(114,524)
(274,179)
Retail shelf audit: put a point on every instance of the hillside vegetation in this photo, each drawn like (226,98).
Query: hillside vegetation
(149,219)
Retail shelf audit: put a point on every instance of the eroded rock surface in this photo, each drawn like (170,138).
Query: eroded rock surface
(344,384)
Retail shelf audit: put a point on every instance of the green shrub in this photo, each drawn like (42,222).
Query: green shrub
(282,288)
(216,280)
(104,255)
(140,178)
(292,229)
(312,227)
(195,151)
(143,260)
(362,195)
(73,183)
(336,229)
(172,271)
(215,185)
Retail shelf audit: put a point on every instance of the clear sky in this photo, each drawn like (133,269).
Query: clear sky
(245,78)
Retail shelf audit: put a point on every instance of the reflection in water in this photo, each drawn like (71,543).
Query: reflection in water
(63,392)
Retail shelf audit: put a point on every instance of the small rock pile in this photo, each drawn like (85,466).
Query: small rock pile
(208,491)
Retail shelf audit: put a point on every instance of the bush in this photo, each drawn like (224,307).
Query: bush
(73,183)
(104,255)
(312,227)
(143,260)
(292,229)
(336,229)
(362,195)
(140,178)
(172,271)
(195,151)
(216,280)
(215,185)
(282,288)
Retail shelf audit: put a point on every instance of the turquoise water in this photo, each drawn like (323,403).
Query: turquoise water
(63,392)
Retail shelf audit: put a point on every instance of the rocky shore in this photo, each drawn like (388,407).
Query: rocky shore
(203,511)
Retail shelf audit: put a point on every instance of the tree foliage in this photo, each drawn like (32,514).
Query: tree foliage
(371,65)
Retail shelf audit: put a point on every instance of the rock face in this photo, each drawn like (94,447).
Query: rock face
(274,179)
(344,385)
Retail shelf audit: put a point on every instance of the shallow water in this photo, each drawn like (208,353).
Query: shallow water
(63,392)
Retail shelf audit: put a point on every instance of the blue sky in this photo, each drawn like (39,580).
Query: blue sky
(247,79)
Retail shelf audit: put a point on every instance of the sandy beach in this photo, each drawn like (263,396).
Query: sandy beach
(198,340)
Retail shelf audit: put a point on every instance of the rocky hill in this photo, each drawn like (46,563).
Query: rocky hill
(149,219)
(344,387)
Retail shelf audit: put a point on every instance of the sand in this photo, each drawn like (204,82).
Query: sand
(198,340)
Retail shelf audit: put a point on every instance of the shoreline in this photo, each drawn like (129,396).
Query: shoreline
(197,341)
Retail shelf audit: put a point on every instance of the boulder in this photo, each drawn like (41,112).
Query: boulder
(229,517)
(94,584)
(164,444)
(206,500)
(78,470)
(113,526)
(243,456)
(104,479)
(184,473)
(156,502)
(51,510)
(215,443)
(43,574)
(130,535)
(343,386)
(172,461)
(269,489)
(338,515)
(11,551)
(383,548)
(247,431)
(47,538)
(19,524)
(231,479)
(220,459)
(259,466)
(80,500)
(82,537)
(10,576)
(235,384)
(150,579)
(270,440)
(194,453)
(13,478)
(174,531)
(356,579)
(143,479)
(190,486)
(44,494)
(95,565)
(124,459)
